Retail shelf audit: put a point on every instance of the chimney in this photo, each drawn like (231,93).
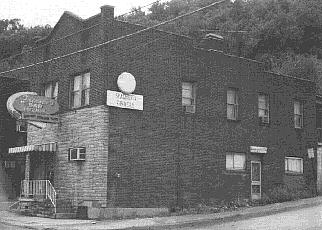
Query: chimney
(107,12)
(213,41)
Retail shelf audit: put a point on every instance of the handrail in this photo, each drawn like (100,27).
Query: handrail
(39,188)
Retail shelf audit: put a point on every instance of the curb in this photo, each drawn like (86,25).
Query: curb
(234,217)
(204,219)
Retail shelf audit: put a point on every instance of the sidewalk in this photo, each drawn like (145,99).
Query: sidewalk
(171,222)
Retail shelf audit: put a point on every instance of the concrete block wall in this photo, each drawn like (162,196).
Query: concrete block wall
(85,180)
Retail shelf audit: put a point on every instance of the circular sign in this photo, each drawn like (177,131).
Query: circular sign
(126,83)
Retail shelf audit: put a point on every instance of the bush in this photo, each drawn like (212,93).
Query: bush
(282,193)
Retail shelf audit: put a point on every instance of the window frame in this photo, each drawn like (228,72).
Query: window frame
(235,104)
(266,108)
(234,168)
(300,115)
(192,98)
(287,170)
(53,85)
(84,91)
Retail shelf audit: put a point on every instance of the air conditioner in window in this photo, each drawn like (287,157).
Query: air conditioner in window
(77,154)
(264,120)
(190,109)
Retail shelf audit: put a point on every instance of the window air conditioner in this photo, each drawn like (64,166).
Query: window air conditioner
(77,154)
(190,109)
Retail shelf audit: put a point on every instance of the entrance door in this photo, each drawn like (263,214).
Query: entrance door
(256,186)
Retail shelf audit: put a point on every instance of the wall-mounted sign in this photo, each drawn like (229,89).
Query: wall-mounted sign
(310,153)
(126,83)
(28,103)
(126,101)
(258,149)
(16,114)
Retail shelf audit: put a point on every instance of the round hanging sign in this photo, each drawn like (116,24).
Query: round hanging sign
(126,83)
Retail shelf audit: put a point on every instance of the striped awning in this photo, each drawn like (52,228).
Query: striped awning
(47,147)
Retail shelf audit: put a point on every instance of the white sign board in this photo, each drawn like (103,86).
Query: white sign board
(310,153)
(126,101)
(257,149)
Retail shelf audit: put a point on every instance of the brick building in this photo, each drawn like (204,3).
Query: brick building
(213,126)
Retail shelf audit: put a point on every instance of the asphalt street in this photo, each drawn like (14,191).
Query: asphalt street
(308,219)
(8,227)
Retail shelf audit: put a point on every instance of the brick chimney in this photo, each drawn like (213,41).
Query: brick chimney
(107,12)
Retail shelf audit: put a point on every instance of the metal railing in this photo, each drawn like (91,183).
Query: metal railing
(33,188)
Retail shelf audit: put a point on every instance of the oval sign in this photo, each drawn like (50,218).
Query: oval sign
(35,104)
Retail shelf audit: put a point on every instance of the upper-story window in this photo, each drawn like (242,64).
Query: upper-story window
(80,87)
(189,96)
(232,104)
(51,90)
(263,108)
(298,114)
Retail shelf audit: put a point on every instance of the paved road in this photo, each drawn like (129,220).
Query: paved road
(8,227)
(307,219)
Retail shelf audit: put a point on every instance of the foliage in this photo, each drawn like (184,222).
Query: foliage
(285,34)
(282,193)
(14,36)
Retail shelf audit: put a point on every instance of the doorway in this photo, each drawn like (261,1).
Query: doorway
(256,183)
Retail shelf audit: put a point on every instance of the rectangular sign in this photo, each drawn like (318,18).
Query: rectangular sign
(121,100)
(40,117)
(257,149)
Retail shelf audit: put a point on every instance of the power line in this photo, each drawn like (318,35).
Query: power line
(140,7)
(69,35)
(116,39)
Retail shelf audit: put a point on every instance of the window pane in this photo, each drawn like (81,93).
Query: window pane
(263,101)
(239,161)
(77,99)
(186,101)
(77,83)
(229,161)
(86,97)
(230,112)
(256,189)
(48,90)
(256,171)
(187,93)
(55,92)
(187,86)
(298,121)
(297,107)
(294,165)
(86,81)
(231,97)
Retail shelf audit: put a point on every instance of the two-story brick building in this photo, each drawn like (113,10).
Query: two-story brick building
(213,126)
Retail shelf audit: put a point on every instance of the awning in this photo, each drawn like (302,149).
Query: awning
(47,147)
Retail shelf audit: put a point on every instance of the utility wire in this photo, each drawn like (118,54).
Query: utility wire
(69,35)
(116,39)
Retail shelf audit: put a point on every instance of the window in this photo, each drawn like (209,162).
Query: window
(235,161)
(21,126)
(51,90)
(80,86)
(189,96)
(232,104)
(263,108)
(293,165)
(298,114)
